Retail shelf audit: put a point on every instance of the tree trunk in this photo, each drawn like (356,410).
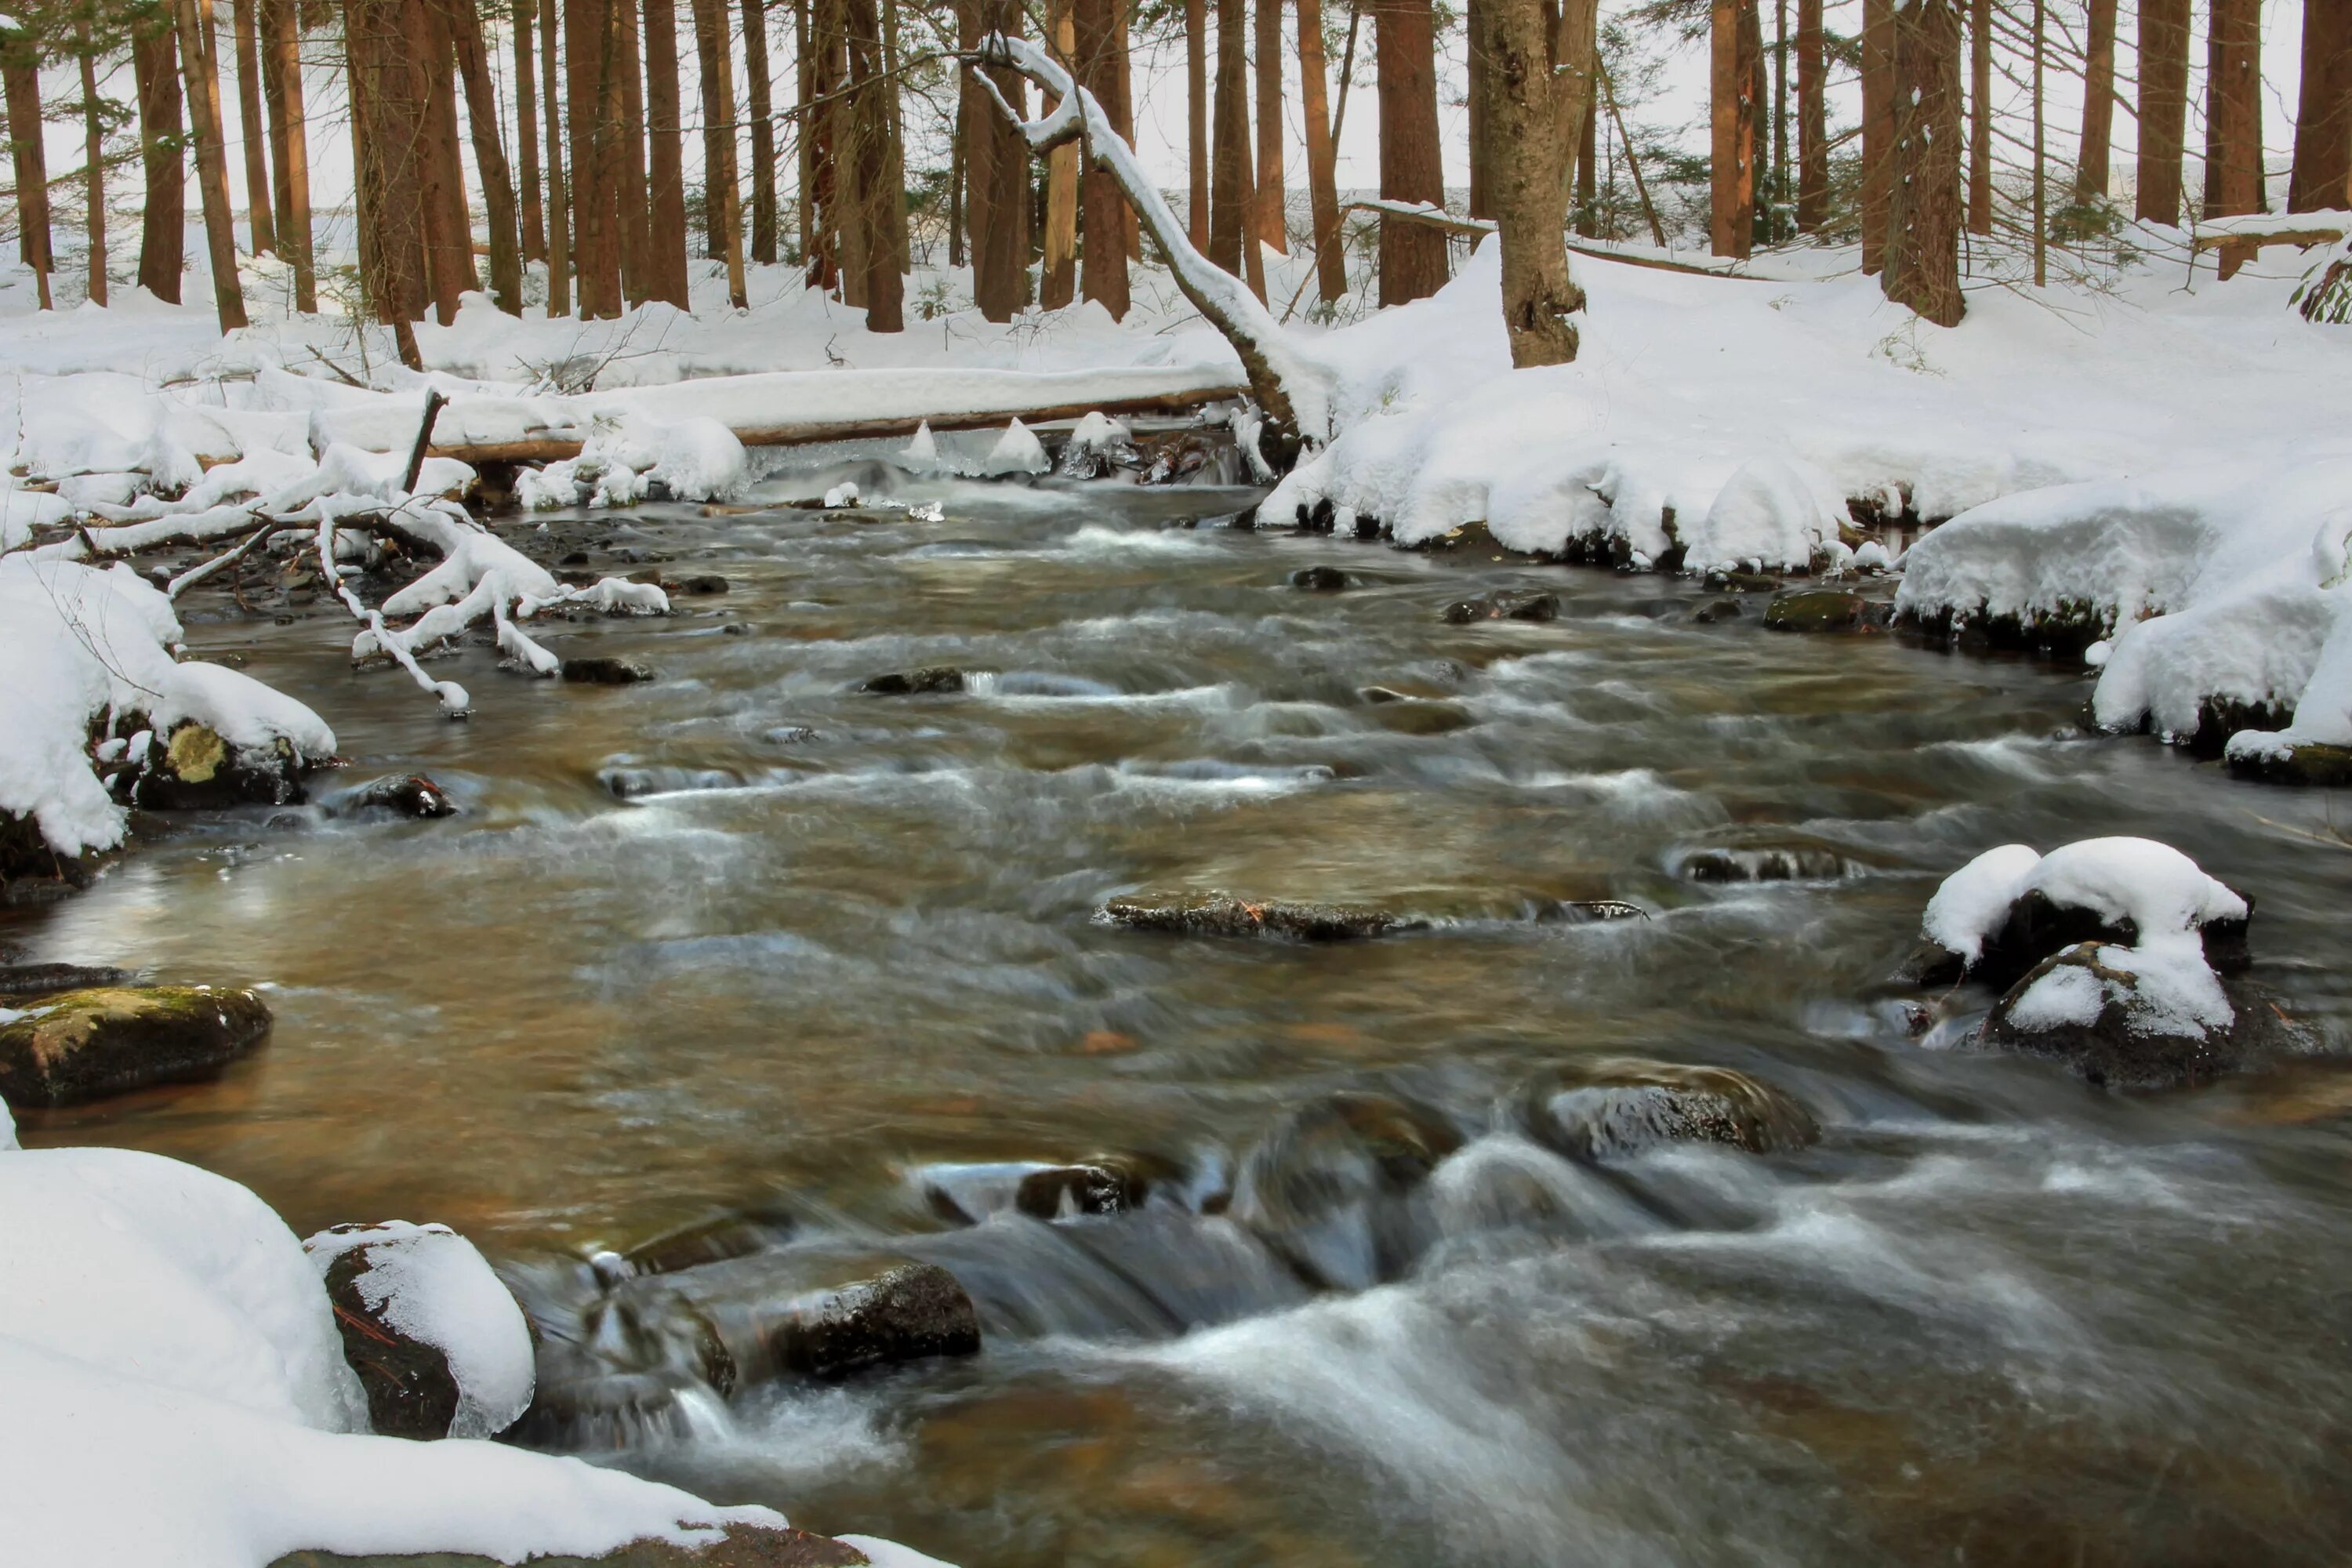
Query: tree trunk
(387,96)
(1058,273)
(489,156)
(1229,168)
(1270,181)
(526,93)
(875,100)
(1586,215)
(1476,30)
(595,149)
(1122,114)
(1777,203)
(1732,161)
(722,181)
(666,186)
(449,224)
(1412,255)
(839,261)
(202,74)
(894,204)
(1812,121)
(806,130)
(639,267)
(1103,263)
(763,132)
(1535,114)
(1196,120)
(2323,121)
(290,145)
(1922,227)
(93,162)
(2163,108)
(2233,83)
(22,72)
(259,210)
(1322,156)
(2098,104)
(1759,98)
(1877,127)
(996,165)
(1981,117)
(558,197)
(163,215)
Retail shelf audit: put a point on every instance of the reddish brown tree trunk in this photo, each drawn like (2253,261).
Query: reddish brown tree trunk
(388,94)
(526,90)
(2323,121)
(1923,228)
(2098,103)
(723,189)
(1981,117)
(1269,180)
(872,103)
(637,265)
(259,210)
(2163,108)
(1229,196)
(93,162)
(996,168)
(465,25)
(290,145)
(202,74)
(1877,127)
(596,149)
(1196,120)
(22,72)
(1057,271)
(558,197)
(448,226)
(1322,156)
(667,163)
(1104,210)
(1812,121)
(2233,119)
(763,131)
(1732,146)
(163,213)
(1413,255)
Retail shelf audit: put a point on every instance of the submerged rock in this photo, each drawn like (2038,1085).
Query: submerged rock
(41,979)
(1716,610)
(1824,610)
(1799,864)
(743,1546)
(79,1046)
(194,768)
(701,582)
(934,680)
(715,1241)
(440,1348)
(1320,579)
(1503,605)
(601,670)
(1222,914)
(1616,1107)
(1332,1187)
(407,795)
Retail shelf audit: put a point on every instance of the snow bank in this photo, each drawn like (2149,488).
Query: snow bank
(430,1283)
(171,1362)
(81,645)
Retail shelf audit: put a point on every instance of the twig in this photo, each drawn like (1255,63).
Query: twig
(433,403)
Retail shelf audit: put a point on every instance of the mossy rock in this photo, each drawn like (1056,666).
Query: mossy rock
(2310,765)
(744,1546)
(195,769)
(1614,1108)
(1822,610)
(87,1045)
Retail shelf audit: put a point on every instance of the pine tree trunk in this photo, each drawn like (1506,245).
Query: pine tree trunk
(1877,127)
(1981,117)
(163,215)
(805,129)
(259,210)
(22,73)
(1322,156)
(1535,114)
(1104,210)
(2233,85)
(2098,104)
(837,263)
(525,91)
(93,162)
(203,75)
(665,163)
(1057,279)
(1477,62)
(448,226)
(2323,121)
(1586,215)
(722,179)
(559,196)
(1196,120)
(2163,108)
(1270,181)
(489,156)
(594,150)
(1122,114)
(1812,121)
(996,163)
(1759,95)
(1732,147)
(894,207)
(290,145)
(1778,201)
(1923,226)
(639,274)
(1229,170)
(387,95)
(874,106)
(763,132)
(1413,255)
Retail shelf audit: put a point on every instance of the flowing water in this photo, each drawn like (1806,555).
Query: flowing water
(745,941)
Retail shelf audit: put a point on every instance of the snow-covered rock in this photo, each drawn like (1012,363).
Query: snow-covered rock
(427,1289)
(1017,451)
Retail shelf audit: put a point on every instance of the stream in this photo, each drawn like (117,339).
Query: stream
(745,941)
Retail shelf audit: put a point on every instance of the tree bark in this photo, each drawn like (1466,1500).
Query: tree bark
(763,132)
(666,164)
(1057,277)
(558,197)
(722,179)
(1732,161)
(638,267)
(2163,108)
(93,162)
(1877,127)
(449,224)
(387,96)
(533,213)
(22,74)
(1196,120)
(2323,121)
(1103,210)
(1229,168)
(1586,215)
(1981,117)
(1923,228)
(1535,115)
(2098,103)
(163,215)
(489,156)
(290,145)
(1322,156)
(1412,255)
(1812,121)
(595,147)
(1270,181)
(1776,204)
(258,209)
(996,165)
(807,128)
(875,98)
(1477,62)
(202,74)
(893,208)
(840,262)
(2233,86)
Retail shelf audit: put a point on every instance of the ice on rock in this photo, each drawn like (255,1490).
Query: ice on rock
(1017,451)
(431,1284)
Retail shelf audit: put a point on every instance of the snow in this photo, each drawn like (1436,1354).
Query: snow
(429,1283)
(1974,900)
(1017,451)
(1772,514)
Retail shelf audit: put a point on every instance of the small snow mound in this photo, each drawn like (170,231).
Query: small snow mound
(2161,891)
(1772,513)
(1974,900)
(844,494)
(430,1283)
(700,459)
(1872,556)
(1017,451)
(921,454)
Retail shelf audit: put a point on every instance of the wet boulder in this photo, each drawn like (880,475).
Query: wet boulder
(1716,610)
(1334,1186)
(701,584)
(439,1345)
(194,768)
(743,1546)
(43,979)
(1823,610)
(1742,582)
(1503,605)
(2310,764)
(1800,863)
(1222,914)
(933,680)
(2154,1017)
(1613,1108)
(1320,579)
(605,671)
(76,1046)
(410,795)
